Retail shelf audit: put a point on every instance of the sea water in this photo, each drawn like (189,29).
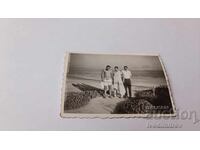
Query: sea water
(140,78)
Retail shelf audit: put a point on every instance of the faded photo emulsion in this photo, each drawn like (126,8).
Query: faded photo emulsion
(115,85)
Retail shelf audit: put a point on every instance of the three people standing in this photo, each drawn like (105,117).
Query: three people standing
(116,81)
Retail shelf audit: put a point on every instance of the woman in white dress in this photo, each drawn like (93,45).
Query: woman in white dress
(117,82)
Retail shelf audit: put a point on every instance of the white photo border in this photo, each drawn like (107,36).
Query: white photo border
(110,116)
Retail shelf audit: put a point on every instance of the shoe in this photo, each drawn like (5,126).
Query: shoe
(125,96)
(104,96)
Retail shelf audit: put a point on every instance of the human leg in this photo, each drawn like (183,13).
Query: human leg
(126,87)
(129,87)
(130,92)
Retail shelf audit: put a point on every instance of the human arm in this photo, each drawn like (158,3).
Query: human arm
(122,76)
(102,75)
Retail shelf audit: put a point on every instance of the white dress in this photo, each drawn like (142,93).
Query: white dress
(118,84)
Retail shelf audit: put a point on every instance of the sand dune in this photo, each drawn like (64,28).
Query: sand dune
(98,105)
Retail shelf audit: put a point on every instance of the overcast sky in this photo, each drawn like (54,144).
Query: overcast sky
(94,61)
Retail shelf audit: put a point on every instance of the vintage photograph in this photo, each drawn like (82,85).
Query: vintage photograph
(115,85)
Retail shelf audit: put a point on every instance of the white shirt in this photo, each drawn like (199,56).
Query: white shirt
(126,74)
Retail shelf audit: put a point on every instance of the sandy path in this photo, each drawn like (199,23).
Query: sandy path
(98,105)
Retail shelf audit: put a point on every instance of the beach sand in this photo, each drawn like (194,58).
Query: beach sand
(98,105)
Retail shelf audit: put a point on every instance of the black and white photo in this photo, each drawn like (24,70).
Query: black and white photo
(115,85)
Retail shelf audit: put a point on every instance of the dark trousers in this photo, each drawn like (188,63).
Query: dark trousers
(127,86)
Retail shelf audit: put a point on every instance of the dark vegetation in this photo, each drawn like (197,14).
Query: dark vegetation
(152,101)
(155,100)
(77,99)
(133,106)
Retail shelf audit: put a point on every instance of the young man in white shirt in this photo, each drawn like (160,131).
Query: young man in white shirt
(126,75)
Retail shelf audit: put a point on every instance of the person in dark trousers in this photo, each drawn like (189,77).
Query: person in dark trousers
(126,75)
